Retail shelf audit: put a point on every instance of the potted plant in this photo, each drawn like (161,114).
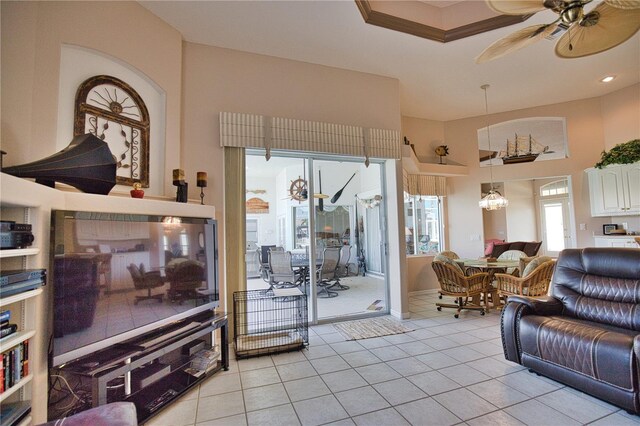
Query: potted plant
(624,153)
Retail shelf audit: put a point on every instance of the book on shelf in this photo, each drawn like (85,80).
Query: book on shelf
(14,365)
(5,316)
(7,330)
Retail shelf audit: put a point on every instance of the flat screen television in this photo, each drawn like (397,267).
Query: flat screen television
(116,276)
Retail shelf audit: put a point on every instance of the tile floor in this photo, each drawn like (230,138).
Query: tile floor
(445,372)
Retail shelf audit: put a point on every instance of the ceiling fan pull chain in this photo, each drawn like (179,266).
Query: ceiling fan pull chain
(570,43)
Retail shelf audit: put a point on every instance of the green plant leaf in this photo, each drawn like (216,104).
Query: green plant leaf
(624,153)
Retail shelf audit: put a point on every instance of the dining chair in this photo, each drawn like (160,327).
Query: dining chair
(449,254)
(281,273)
(512,255)
(454,283)
(326,274)
(535,280)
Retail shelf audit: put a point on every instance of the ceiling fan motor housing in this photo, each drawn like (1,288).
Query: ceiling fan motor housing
(572,13)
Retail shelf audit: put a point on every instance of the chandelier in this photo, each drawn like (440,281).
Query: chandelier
(493,200)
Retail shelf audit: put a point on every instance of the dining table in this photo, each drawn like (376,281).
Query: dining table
(491,267)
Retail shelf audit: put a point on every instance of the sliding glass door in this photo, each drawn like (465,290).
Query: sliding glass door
(330,215)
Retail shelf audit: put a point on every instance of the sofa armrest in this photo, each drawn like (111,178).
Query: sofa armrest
(540,305)
(515,309)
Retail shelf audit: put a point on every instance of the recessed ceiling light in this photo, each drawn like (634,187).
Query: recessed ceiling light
(608,78)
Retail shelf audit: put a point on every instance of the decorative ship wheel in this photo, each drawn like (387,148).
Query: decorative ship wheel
(298,190)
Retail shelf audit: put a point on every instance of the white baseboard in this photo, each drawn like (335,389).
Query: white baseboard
(400,315)
(424,292)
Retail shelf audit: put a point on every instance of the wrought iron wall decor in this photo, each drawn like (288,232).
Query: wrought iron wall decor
(110,109)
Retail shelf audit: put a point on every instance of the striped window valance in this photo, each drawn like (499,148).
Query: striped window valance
(258,131)
(424,184)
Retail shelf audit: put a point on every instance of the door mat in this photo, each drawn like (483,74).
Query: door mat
(370,327)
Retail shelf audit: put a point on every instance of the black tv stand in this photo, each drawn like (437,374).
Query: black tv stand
(155,358)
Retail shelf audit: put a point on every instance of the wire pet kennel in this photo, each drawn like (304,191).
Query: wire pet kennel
(265,322)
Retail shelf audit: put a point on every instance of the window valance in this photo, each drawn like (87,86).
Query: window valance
(259,131)
(424,184)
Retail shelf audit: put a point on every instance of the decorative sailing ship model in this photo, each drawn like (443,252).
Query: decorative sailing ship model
(522,150)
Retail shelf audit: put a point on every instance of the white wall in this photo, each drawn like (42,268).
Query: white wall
(521,212)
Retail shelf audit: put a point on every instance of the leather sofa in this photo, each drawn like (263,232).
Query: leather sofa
(587,333)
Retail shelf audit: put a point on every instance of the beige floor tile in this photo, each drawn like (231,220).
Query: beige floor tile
(535,413)
(321,410)
(217,406)
(179,413)
(265,397)
(308,388)
(399,391)
(218,384)
(388,416)
(361,400)
(464,404)
(427,411)
(282,415)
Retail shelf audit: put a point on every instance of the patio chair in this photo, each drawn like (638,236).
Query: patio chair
(342,270)
(263,259)
(281,273)
(454,283)
(326,274)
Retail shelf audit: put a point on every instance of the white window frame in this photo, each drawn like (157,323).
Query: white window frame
(414,223)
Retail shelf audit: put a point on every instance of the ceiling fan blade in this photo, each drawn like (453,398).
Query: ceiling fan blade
(624,4)
(516,7)
(515,41)
(601,29)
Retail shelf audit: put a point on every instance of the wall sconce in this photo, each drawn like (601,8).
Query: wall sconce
(201,181)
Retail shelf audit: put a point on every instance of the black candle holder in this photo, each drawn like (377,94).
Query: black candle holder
(183,187)
(201,181)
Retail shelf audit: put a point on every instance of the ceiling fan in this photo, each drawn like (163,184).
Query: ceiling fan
(609,24)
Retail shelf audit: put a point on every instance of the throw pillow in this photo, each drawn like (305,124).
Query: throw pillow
(445,259)
(534,264)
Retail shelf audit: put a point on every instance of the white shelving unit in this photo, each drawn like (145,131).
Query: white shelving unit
(5,254)
(23,201)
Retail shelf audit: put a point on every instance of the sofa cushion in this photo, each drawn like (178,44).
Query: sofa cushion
(604,353)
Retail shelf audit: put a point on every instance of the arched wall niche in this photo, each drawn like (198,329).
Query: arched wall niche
(77,64)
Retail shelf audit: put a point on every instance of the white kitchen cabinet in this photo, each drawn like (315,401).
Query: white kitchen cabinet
(615,190)
(615,241)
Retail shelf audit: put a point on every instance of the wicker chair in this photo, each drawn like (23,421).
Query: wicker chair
(534,282)
(451,255)
(454,283)
(512,255)
(327,272)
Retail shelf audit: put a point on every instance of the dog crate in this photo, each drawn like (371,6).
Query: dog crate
(269,321)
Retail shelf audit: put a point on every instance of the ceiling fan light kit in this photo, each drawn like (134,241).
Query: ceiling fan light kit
(609,24)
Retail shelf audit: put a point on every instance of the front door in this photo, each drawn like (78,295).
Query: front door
(556,233)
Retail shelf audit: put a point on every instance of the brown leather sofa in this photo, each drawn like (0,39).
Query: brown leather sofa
(587,334)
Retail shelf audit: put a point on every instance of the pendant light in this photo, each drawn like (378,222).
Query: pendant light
(493,200)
